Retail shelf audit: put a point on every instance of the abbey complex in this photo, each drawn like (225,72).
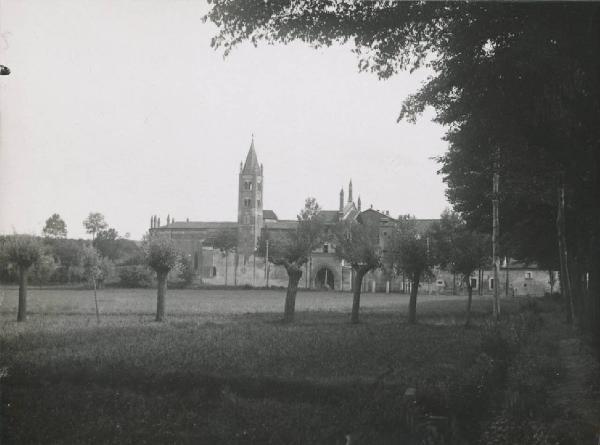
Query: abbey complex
(324,269)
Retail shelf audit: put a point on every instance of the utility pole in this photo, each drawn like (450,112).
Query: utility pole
(495,234)
(267,264)
(565,276)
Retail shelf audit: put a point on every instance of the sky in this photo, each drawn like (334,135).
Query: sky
(123,108)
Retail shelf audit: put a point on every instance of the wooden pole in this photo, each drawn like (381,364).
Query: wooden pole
(495,235)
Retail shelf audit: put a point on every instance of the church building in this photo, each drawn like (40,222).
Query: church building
(324,270)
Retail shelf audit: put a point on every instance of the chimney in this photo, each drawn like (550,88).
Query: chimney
(350,191)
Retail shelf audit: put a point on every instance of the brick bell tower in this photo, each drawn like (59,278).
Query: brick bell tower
(250,203)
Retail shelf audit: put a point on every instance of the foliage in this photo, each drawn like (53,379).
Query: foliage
(43,269)
(135,276)
(357,244)
(226,240)
(161,254)
(411,249)
(457,248)
(94,223)
(55,227)
(294,247)
(91,263)
(22,250)
(186,270)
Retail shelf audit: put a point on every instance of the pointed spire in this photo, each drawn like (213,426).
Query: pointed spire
(168,219)
(342,199)
(359,203)
(251,165)
(350,191)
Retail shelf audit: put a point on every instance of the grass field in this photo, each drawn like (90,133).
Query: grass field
(222,368)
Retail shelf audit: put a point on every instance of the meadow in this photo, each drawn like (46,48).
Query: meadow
(223,369)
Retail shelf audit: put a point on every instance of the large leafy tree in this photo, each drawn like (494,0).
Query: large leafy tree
(358,244)
(55,227)
(515,83)
(23,252)
(292,248)
(412,256)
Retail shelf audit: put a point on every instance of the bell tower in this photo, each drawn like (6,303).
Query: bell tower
(250,203)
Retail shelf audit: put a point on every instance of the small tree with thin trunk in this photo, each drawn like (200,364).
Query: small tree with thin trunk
(411,256)
(291,249)
(161,256)
(22,251)
(460,250)
(92,269)
(357,243)
(226,241)
(94,223)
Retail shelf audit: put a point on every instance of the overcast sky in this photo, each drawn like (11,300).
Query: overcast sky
(122,107)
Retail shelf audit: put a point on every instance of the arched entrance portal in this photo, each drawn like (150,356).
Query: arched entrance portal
(324,279)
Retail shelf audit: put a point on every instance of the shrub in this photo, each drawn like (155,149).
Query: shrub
(136,276)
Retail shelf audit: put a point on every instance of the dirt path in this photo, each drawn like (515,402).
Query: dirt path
(579,393)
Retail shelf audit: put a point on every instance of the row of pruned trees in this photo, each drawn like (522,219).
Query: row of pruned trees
(449,244)
(24,252)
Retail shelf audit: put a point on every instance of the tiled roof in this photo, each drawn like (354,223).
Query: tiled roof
(201,225)
(269,214)
(281,225)
(329,216)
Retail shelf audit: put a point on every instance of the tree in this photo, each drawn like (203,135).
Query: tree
(94,223)
(55,227)
(107,243)
(226,241)
(91,262)
(460,250)
(358,244)
(411,255)
(291,249)
(516,79)
(68,253)
(23,251)
(161,255)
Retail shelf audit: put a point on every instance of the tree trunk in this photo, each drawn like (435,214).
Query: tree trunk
(22,311)
(96,302)
(294,274)
(551,281)
(226,258)
(562,253)
(236,261)
(495,246)
(469,301)
(160,296)
(507,280)
(357,286)
(412,302)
